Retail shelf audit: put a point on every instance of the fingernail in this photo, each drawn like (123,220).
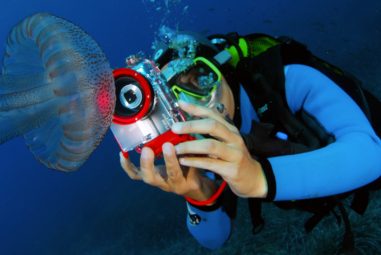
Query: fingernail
(145,153)
(166,148)
(182,161)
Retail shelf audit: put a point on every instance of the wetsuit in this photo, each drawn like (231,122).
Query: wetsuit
(351,161)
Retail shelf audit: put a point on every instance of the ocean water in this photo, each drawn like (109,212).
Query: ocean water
(98,210)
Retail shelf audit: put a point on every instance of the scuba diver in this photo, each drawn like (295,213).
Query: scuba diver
(277,124)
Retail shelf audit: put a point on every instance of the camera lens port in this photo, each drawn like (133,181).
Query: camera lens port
(130,96)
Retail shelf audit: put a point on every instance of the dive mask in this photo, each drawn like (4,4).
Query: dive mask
(197,80)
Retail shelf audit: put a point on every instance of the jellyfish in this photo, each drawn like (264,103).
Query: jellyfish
(56,90)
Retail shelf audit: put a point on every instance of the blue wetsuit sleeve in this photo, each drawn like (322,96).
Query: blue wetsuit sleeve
(353,160)
(210,228)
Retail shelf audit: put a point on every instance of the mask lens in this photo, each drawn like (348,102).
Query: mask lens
(199,79)
(206,78)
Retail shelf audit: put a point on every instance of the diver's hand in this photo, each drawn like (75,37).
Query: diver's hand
(225,153)
(170,178)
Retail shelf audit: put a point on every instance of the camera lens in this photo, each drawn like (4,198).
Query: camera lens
(130,96)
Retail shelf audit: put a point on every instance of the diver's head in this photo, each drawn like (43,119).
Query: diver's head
(194,67)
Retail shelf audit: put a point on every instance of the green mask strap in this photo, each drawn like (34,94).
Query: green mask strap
(260,44)
(251,48)
(234,52)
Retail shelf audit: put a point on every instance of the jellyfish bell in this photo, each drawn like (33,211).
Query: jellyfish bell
(56,89)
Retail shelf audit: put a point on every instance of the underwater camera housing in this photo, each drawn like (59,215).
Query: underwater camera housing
(145,108)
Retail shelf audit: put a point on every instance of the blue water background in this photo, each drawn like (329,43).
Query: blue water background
(98,207)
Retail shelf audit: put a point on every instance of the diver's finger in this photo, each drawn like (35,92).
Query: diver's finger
(147,166)
(204,112)
(172,164)
(217,166)
(131,170)
(195,110)
(161,178)
(210,147)
(206,126)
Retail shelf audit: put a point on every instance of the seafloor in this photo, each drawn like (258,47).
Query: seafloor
(283,233)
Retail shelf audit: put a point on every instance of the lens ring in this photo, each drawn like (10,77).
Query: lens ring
(131,96)
(124,77)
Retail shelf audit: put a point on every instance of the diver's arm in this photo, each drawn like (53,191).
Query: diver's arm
(209,225)
(352,161)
